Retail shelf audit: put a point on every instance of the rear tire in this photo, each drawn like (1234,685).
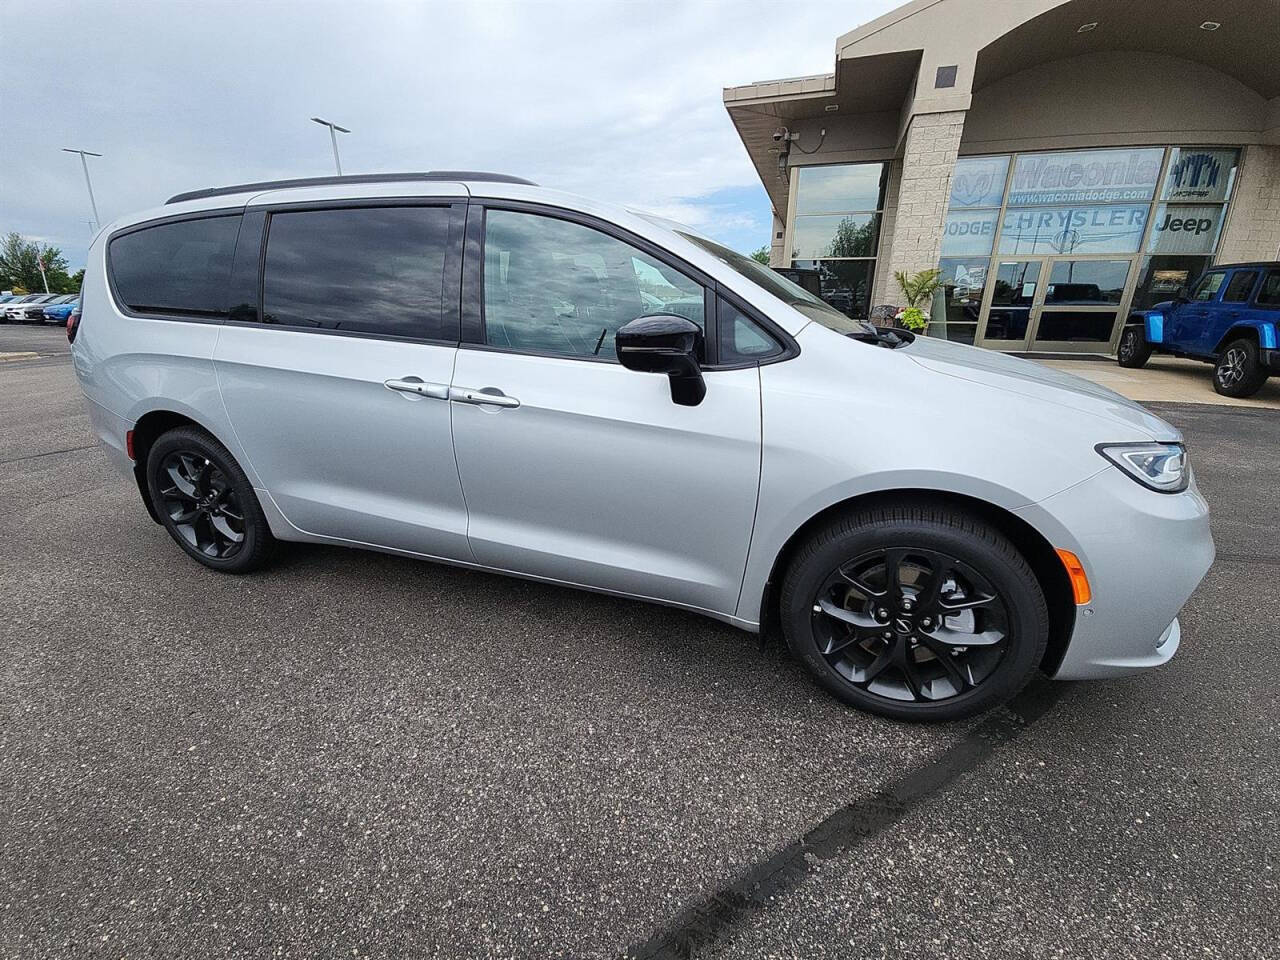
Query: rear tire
(961,628)
(1239,371)
(1133,351)
(206,502)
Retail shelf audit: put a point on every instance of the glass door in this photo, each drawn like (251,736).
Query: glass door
(1081,305)
(1011,297)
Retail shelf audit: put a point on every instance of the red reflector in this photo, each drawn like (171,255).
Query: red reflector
(128,444)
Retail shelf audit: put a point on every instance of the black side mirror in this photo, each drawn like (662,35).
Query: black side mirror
(665,344)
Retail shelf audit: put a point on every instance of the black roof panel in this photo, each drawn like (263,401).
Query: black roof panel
(431,175)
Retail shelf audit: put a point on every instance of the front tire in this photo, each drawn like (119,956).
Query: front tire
(1133,351)
(206,502)
(915,611)
(1239,371)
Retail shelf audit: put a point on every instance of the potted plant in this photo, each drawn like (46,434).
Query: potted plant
(918,289)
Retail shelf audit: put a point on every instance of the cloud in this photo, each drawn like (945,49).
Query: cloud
(615,100)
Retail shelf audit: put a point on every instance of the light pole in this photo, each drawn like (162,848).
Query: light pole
(334,130)
(85,163)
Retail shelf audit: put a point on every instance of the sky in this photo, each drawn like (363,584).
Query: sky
(613,99)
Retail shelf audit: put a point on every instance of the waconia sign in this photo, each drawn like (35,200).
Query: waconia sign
(1086,176)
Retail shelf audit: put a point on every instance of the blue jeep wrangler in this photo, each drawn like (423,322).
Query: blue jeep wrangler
(1228,319)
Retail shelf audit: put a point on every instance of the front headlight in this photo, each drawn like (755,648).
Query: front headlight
(1161,466)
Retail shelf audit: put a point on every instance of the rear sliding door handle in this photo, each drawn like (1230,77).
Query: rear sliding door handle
(484,397)
(437,391)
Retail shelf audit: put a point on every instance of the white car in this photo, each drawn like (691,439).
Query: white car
(471,369)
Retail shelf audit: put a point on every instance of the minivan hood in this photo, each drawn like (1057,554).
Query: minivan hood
(1026,378)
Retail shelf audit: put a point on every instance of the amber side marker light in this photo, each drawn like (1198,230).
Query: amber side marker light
(1075,572)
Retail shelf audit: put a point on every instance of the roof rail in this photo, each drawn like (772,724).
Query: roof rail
(430,175)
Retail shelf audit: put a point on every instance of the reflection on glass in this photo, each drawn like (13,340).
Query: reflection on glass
(978,182)
(956,317)
(1116,228)
(1087,281)
(847,235)
(842,188)
(1011,299)
(551,286)
(370,270)
(1064,326)
(1165,278)
(845,284)
(969,232)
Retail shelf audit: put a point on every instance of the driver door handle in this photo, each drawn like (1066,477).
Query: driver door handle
(484,397)
(437,391)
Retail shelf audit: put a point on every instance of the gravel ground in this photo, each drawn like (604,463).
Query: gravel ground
(361,755)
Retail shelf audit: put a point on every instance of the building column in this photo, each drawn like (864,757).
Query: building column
(1253,223)
(777,244)
(913,242)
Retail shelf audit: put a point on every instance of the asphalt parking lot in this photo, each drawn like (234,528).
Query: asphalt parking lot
(361,755)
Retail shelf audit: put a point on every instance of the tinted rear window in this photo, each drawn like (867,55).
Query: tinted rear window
(179,268)
(377,270)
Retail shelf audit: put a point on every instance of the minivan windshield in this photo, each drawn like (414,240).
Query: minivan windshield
(790,293)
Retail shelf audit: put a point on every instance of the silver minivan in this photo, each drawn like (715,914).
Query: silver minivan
(471,369)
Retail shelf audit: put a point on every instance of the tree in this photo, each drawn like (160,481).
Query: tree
(852,240)
(20,266)
(761,255)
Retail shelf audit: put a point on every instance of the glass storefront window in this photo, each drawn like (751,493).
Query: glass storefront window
(978,182)
(1011,299)
(1113,228)
(840,236)
(969,232)
(1165,278)
(1186,228)
(843,188)
(963,281)
(835,230)
(1076,326)
(1098,282)
(844,284)
(1086,176)
(1200,175)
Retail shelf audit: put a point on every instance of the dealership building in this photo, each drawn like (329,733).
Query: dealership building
(1061,161)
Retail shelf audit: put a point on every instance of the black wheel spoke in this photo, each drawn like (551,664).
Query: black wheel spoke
(861,620)
(906,623)
(951,605)
(961,638)
(862,586)
(946,657)
(200,503)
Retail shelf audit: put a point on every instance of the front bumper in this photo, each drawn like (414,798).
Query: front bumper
(1144,553)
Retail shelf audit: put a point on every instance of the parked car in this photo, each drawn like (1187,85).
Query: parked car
(1228,319)
(10,311)
(415,364)
(58,310)
(30,309)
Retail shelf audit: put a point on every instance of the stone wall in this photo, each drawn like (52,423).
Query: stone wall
(915,240)
(1253,225)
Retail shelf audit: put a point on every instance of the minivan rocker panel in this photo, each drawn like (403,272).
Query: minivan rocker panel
(928,523)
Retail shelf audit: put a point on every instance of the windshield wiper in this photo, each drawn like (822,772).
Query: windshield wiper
(889,337)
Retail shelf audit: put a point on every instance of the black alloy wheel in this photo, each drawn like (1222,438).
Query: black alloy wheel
(916,610)
(206,502)
(1133,351)
(911,624)
(1239,371)
(201,503)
